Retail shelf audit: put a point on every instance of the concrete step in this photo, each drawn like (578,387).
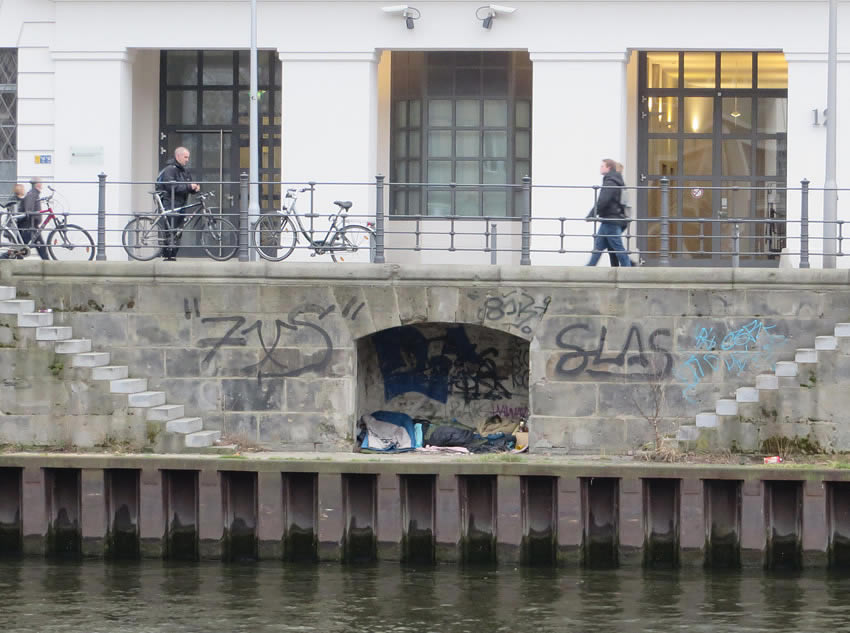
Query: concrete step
(73,346)
(746,394)
(165,412)
(220,449)
(35,319)
(826,343)
(806,355)
(786,369)
(184,425)
(706,419)
(146,399)
(767,382)
(726,407)
(54,333)
(16,306)
(90,359)
(128,385)
(7,292)
(110,372)
(202,438)
(842,330)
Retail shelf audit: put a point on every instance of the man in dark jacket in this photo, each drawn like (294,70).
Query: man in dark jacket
(174,183)
(609,214)
(30,223)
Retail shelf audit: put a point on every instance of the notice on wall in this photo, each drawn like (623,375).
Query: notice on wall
(43,159)
(87,154)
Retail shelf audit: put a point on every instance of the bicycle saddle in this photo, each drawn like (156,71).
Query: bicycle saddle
(344,204)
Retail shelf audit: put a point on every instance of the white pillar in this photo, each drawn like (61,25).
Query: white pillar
(577,120)
(330,131)
(93,114)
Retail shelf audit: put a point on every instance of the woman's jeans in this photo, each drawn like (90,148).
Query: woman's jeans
(608,236)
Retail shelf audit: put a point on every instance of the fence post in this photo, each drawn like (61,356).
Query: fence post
(664,256)
(525,245)
(379,219)
(243,217)
(101,218)
(736,246)
(494,247)
(804,223)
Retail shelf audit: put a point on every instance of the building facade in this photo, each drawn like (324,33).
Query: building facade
(708,94)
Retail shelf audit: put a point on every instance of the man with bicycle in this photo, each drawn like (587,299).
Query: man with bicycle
(174,184)
(30,224)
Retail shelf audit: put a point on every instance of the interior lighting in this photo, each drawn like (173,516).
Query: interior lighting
(407,12)
(490,11)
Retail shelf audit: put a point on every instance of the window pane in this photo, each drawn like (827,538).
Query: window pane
(182,68)
(663,156)
(771,158)
(440,143)
(772,71)
(522,169)
(440,113)
(400,171)
(496,203)
(736,70)
(773,115)
(468,144)
(415,113)
(467,203)
(662,70)
(523,114)
(414,171)
(467,81)
(181,107)
(653,210)
(467,172)
(400,145)
(400,111)
(737,157)
(699,115)
(440,81)
(495,144)
(413,144)
(218,68)
(495,113)
(468,113)
(414,202)
(523,145)
(737,115)
(440,171)
(699,70)
(264,61)
(697,156)
(495,172)
(694,234)
(439,202)
(217,108)
(663,114)
(496,83)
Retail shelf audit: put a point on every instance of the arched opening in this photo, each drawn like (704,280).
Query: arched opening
(445,373)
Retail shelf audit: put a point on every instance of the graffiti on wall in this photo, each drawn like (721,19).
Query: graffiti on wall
(751,347)
(516,308)
(585,353)
(439,366)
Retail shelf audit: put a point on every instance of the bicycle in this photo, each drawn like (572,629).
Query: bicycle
(145,236)
(64,238)
(276,234)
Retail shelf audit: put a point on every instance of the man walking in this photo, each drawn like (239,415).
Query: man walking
(609,214)
(30,224)
(174,184)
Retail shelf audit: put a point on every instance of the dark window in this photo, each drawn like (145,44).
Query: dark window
(8,119)
(460,121)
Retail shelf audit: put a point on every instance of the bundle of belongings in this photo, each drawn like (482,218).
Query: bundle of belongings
(395,432)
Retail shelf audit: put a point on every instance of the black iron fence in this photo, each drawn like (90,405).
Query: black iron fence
(656,236)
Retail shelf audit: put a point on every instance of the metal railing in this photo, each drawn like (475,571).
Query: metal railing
(659,237)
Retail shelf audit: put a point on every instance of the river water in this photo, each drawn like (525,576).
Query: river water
(150,597)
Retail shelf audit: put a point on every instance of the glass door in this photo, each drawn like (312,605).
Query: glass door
(714,124)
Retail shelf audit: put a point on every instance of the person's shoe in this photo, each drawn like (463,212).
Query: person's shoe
(170,259)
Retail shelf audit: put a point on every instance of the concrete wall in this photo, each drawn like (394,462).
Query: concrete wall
(279,354)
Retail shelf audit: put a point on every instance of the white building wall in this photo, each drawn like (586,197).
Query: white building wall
(88,75)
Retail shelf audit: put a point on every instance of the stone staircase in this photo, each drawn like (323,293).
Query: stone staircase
(178,432)
(804,400)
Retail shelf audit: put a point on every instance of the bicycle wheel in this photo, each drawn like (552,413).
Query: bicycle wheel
(70,242)
(220,239)
(274,236)
(141,238)
(353,243)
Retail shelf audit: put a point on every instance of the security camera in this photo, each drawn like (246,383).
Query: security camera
(407,12)
(498,8)
(490,11)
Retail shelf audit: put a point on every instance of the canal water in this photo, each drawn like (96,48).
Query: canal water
(95,597)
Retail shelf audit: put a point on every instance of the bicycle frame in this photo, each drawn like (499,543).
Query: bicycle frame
(318,245)
(10,224)
(200,209)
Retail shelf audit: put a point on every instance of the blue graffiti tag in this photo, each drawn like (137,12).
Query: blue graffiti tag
(751,347)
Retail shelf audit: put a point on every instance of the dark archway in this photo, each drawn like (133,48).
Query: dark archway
(444,372)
